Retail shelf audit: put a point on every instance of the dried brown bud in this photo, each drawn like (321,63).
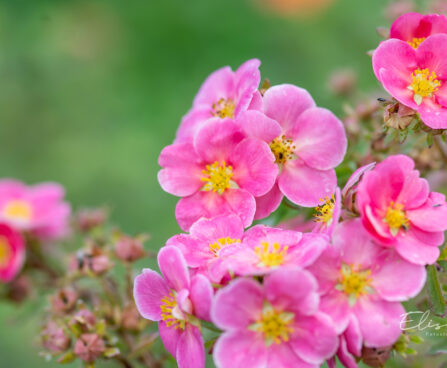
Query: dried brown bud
(94,260)
(89,347)
(54,338)
(398,116)
(375,357)
(19,289)
(129,249)
(64,300)
(85,318)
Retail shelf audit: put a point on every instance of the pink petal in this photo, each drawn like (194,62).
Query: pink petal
(397,279)
(201,296)
(292,289)
(344,355)
(209,204)
(356,177)
(432,54)
(173,267)
(308,250)
(320,139)
(190,350)
(237,305)
(219,84)
(306,186)
(240,349)
(218,227)
(192,122)
(51,192)
(149,289)
(181,171)
(314,339)
(170,337)
(435,119)
(256,102)
(247,78)
(285,103)
(353,337)
(379,321)
(195,251)
(268,203)
(254,166)
(283,356)
(257,125)
(432,216)
(415,251)
(335,305)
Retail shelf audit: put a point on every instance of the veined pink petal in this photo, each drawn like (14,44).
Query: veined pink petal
(170,337)
(201,296)
(190,351)
(415,251)
(257,125)
(173,267)
(268,203)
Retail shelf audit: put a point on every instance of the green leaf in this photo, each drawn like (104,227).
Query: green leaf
(434,291)
(67,358)
(430,139)
(111,352)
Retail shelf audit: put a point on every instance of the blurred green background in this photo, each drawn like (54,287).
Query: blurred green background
(92,90)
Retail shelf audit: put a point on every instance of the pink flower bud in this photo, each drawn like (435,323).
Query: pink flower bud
(64,300)
(398,8)
(54,338)
(342,82)
(129,249)
(85,318)
(88,219)
(89,347)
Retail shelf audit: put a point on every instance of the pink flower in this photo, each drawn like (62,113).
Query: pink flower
(359,279)
(416,77)
(175,300)
(224,94)
(204,247)
(219,173)
(328,213)
(277,324)
(350,346)
(264,249)
(12,253)
(39,209)
(308,142)
(414,28)
(399,210)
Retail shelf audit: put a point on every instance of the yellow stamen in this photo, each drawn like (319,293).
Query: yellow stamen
(396,218)
(169,303)
(224,108)
(271,256)
(283,149)
(424,84)
(5,252)
(274,325)
(325,210)
(354,282)
(217,177)
(18,210)
(415,42)
(221,243)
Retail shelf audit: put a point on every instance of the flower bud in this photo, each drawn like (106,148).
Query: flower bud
(89,347)
(54,338)
(88,219)
(398,116)
(130,318)
(375,357)
(129,249)
(85,318)
(64,300)
(398,8)
(19,289)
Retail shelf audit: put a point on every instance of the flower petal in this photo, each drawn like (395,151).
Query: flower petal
(190,350)
(173,267)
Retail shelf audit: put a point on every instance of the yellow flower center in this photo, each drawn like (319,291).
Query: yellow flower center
(5,252)
(274,325)
(354,282)
(221,243)
(283,149)
(325,210)
(424,84)
(169,303)
(18,210)
(396,218)
(415,42)
(224,108)
(271,256)
(217,177)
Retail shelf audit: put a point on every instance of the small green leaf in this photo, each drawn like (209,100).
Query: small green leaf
(111,352)
(434,291)
(430,139)
(67,358)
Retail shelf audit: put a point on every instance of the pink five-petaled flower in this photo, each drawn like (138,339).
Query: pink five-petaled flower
(175,301)
(264,249)
(208,240)
(416,77)
(309,143)
(414,28)
(359,279)
(399,210)
(38,209)
(219,173)
(275,325)
(12,253)
(224,94)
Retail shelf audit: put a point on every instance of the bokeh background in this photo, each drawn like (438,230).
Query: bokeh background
(91,91)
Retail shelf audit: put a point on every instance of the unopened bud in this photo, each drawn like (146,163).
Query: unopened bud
(64,300)
(54,338)
(129,249)
(398,116)
(89,347)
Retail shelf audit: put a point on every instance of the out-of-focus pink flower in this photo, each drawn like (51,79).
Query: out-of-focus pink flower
(296,7)
(39,209)
(414,28)
(54,338)
(399,7)
(12,253)
(224,94)
(172,300)
(277,324)
(204,247)
(416,77)
(89,347)
(308,142)
(64,300)
(264,249)
(398,209)
(129,249)
(359,279)
(219,173)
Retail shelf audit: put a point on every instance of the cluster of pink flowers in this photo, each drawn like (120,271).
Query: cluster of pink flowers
(412,65)
(280,297)
(35,213)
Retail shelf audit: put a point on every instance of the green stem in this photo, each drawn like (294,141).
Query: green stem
(210,326)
